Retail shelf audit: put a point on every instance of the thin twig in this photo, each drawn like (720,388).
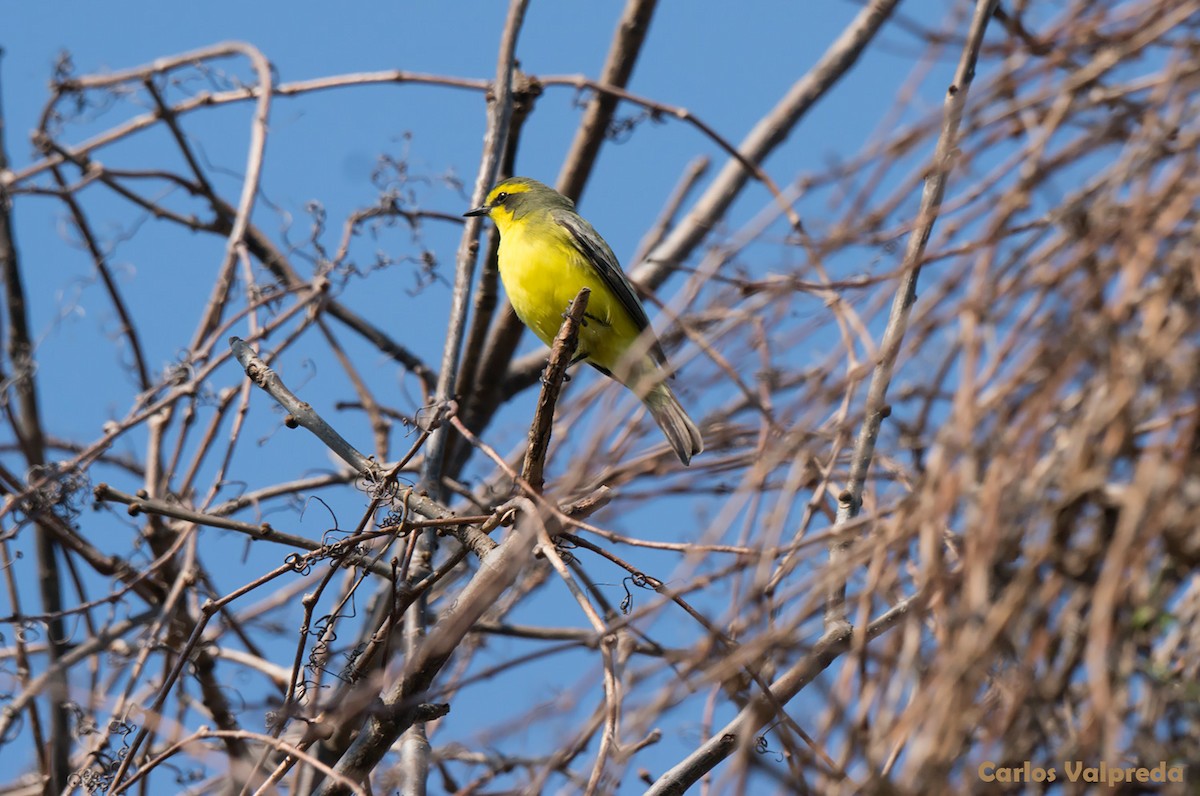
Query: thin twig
(250,187)
(876,409)
(300,412)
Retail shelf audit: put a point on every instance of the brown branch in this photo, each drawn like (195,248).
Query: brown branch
(561,354)
(622,56)
(27,425)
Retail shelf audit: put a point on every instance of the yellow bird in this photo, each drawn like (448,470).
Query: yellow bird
(547,253)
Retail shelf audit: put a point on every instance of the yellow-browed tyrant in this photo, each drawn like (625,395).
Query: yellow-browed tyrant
(547,253)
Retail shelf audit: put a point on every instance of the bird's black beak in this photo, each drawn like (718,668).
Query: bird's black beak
(482,210)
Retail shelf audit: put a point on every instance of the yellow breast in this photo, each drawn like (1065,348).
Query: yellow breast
(542,273)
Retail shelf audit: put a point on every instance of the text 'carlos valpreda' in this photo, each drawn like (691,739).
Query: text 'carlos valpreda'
(1079,771)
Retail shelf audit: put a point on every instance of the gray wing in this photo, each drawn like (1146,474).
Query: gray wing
(596,251)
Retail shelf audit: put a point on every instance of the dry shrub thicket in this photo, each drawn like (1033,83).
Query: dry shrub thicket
(957,534)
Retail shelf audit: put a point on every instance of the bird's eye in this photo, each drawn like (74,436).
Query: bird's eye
(500,197)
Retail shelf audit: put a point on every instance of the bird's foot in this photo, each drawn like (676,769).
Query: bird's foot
(545,370)
(582,321)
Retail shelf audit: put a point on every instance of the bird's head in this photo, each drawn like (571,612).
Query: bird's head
(515,198)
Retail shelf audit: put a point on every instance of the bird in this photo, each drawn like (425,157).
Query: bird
(547,253)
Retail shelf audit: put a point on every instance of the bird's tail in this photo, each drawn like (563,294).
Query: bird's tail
(679,429)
